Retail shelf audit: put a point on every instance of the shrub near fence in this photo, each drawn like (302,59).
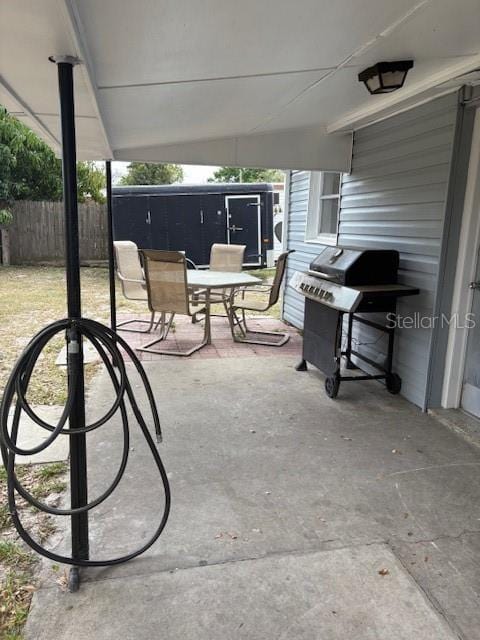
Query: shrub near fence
(37,232)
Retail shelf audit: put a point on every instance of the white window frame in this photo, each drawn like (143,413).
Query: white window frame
(315,200)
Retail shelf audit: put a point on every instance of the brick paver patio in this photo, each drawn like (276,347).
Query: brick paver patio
(185,334)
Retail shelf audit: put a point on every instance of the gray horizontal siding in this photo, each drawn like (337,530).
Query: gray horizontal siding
(394,198)
(293,303)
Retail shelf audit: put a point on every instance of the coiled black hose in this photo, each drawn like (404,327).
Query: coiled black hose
(107,344)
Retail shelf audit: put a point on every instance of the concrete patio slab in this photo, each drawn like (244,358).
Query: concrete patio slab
(327,595)
(31,435)
(90,355)
(271,478)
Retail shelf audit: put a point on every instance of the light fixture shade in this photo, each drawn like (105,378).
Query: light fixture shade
(385,77)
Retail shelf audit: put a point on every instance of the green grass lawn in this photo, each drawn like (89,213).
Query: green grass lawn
(32,297)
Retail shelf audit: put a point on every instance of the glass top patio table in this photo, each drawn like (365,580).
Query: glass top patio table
(219,279)
(209,280)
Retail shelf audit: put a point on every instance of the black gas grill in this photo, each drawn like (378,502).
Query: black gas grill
(348,281)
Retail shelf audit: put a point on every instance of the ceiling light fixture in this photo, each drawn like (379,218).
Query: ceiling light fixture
(385,77)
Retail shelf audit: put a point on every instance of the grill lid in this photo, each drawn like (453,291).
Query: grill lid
(356,266)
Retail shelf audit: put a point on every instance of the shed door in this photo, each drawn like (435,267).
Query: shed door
(188,208)
(176,224)
(214,226)
(131,218)
(244,225)
(471,380)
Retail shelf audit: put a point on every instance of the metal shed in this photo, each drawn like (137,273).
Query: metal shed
(191,218)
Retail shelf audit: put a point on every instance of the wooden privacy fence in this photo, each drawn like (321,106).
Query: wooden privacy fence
(37,232)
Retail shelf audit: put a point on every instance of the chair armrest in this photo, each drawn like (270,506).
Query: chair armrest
(261,288)
(193,294)
(142,282)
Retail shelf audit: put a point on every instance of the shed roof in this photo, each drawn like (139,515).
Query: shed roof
(185,188)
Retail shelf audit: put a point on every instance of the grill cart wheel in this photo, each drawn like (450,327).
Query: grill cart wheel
(332,385)
(393,383)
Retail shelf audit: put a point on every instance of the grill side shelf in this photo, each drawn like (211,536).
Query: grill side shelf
(388,290)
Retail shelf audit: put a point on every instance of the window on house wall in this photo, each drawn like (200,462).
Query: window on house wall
(323,206)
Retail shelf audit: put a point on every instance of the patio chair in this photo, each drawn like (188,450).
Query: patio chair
(132,280)
(239,304)
(167,289)
(223,257)
(227,257)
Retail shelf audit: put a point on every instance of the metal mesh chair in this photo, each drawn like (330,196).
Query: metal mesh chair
(132,280)
(167,289)
(240,303)
(224,257)
(227,257)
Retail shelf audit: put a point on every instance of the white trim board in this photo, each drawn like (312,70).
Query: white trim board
(465,271)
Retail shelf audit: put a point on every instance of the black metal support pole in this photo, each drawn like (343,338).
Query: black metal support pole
(78,450)
(111,263)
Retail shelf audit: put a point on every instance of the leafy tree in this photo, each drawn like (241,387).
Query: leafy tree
(245,174)
(90,182)
(147,173)
(29,169)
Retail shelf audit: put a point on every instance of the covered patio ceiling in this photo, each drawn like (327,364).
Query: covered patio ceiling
(255,83)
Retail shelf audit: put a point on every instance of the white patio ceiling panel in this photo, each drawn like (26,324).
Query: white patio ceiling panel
(187,81)
(164,113)
(9,103)
(182,40)
(30,32)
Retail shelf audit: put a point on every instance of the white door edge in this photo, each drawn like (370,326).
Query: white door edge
(464,274)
